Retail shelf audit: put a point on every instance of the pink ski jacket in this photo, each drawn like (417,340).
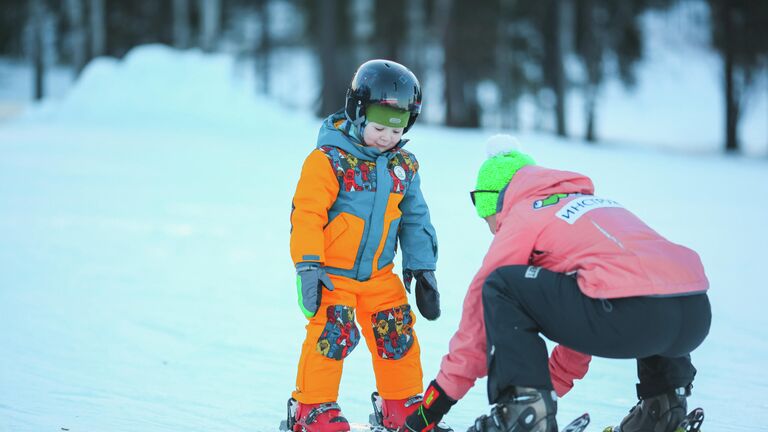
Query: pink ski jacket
(551,219)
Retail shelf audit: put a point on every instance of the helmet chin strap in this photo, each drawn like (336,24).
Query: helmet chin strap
(359,127)
(355,128)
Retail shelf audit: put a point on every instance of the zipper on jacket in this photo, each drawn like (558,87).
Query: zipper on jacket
(382,189)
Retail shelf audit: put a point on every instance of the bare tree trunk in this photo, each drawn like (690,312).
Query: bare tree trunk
(37,25)
(591,56)
(731,104)
(98,27)
(332,89)
(417,37)
(181,26)
(559,70)
(76,40)
(390,21)
(362,30)
(554,63)
(264,49)
(591,102)
(210,13)
(439,27)
(504,64)
(462,108)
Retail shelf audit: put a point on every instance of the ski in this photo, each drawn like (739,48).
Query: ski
(578,425)
(375,419)
(367,427)
(691,423)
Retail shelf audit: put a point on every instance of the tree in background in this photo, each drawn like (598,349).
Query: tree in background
(518,70)
(330,32)
(129,24)
(551,21)
(182,31)
(98,27)
(603,29)
(519,46)
(37,18)
(210,23)
(76,38)
(390,29)
(417,37)
(13,16)
(535,34)
(740,35)
(468,43)
(83,30)
(264,48)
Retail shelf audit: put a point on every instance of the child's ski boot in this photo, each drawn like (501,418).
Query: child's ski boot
(530,410)
(391,413)
(322,417)
(662,413)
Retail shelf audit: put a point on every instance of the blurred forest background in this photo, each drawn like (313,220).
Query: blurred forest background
(481,56)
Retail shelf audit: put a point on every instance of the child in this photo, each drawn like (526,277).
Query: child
(358,196)
(584,272)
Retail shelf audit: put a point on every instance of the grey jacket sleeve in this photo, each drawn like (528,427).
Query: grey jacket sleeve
(418,239)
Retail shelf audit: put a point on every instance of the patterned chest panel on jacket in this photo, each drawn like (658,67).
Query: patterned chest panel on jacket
(360,175)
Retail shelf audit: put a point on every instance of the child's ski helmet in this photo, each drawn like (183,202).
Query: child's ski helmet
(383,82)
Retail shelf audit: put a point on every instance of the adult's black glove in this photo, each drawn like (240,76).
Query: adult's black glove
(427,297)
(310,280)
(433,407)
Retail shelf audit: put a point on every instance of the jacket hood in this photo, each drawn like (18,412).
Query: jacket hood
(533,182)
(344,138)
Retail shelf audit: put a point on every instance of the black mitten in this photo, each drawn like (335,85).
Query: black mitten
(427,297)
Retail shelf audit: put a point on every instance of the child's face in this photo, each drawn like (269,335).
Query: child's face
(380,136)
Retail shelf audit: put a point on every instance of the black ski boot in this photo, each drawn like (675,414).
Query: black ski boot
(529,410)
(662,413)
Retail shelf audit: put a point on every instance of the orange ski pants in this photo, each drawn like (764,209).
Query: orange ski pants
(386,323)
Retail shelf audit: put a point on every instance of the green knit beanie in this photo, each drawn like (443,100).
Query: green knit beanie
(504,160)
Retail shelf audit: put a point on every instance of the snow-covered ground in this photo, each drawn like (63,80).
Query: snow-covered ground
(146,284)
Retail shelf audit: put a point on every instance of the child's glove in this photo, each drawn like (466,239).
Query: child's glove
(435,405)
(310,279)
(427,297)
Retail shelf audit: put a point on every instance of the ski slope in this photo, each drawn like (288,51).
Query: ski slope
(146,283)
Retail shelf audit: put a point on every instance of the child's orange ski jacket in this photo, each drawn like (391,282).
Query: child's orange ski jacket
(353,204)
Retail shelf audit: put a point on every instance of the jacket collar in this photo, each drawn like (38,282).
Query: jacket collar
(534,182)
(339,132)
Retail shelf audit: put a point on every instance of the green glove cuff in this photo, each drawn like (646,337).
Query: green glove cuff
(304,310)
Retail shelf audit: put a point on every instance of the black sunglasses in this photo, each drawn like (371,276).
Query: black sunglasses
(472,194)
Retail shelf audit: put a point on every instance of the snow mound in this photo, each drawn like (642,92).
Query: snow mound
(156,84)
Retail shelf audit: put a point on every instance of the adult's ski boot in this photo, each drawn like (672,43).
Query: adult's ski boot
(528,409)
(662,413)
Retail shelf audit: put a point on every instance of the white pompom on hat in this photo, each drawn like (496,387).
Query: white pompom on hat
(501,143)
